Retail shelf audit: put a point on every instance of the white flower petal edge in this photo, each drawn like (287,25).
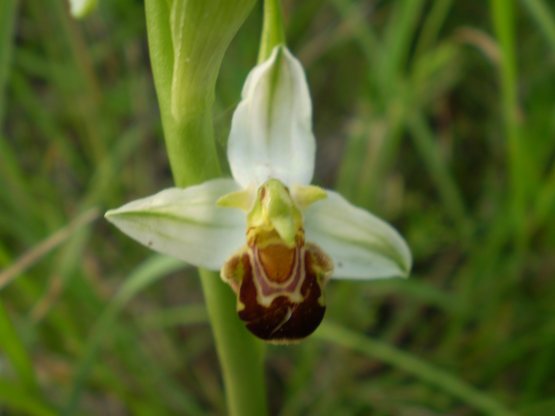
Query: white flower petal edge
(360,244)
(186,223)
(271,131)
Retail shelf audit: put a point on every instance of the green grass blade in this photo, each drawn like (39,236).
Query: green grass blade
(503,15)
(434,22)
(13,347)
(147,273)
(439,172)
(17,399)
(8,9)
(398,38)
(543,17)
(423,371)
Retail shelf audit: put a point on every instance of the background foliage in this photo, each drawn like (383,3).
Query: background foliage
(437,115)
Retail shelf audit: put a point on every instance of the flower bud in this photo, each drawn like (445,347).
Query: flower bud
(81,8)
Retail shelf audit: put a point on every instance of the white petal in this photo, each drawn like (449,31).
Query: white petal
(361,245)
(186,223)
(271,131)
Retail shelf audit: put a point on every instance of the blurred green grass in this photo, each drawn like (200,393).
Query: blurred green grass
(437,115)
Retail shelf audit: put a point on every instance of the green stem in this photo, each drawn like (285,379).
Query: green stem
(241,355)
(273,32)
(193,158)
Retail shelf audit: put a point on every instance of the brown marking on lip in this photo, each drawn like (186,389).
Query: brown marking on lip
(284,320)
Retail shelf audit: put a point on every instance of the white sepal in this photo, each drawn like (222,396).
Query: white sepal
(361,245)
(186,223)
(271,131)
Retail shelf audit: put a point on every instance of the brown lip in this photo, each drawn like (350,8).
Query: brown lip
(284,320)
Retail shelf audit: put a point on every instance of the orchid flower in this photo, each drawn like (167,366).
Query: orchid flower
(275,238)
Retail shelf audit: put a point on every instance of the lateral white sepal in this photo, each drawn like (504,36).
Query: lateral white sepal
(361,245)
(186,223)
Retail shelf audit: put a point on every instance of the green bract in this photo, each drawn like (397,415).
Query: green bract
(200,32)
(270,228)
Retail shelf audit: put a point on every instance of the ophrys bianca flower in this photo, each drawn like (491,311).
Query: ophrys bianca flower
(276,238)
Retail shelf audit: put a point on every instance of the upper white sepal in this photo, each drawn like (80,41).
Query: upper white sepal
(271,131)
(186,223)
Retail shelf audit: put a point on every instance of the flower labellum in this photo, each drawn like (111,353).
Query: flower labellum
(278,278)
(276,239)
